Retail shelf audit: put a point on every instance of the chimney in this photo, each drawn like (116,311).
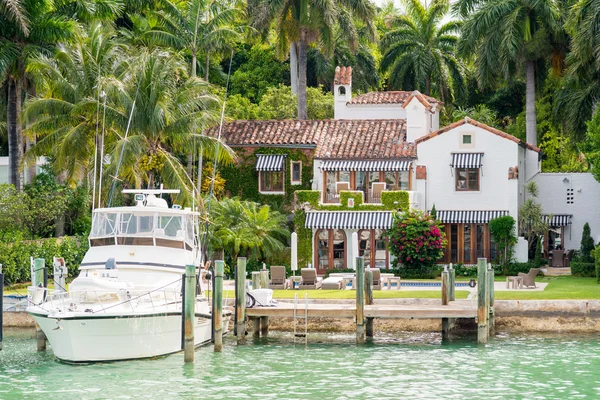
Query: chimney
(342,91)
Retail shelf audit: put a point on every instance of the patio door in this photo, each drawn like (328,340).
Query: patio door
(330,245)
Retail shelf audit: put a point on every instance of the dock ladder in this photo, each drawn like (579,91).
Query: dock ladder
(298,327)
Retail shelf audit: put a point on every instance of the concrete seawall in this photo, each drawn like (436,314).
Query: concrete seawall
(511,315)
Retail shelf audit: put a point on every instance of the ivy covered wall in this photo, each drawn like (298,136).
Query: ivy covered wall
(242,179)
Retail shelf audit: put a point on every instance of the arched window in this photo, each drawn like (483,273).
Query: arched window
(373,247)
(330,249)
(342,91)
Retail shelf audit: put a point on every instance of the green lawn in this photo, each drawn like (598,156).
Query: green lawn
(560,287)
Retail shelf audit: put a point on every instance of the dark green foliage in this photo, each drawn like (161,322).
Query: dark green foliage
(308,196)
(597,256)
(395,200)
(304,239)
(14,256)
(584,269)
(513,268)
(502,230)
(587,245)
(538,252)
(433,212)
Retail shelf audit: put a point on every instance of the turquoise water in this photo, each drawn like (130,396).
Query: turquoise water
(512,366)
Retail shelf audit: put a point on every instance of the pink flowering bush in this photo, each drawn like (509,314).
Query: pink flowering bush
(416,240)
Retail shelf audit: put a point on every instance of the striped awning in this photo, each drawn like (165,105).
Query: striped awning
(468,217)
(466,160)
(558,220)
(349,220)
(370,166)
(270,162)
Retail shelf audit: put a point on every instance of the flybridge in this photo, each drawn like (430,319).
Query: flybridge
(147,197)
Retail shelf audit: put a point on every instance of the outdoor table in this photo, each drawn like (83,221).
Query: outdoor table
(392,279)
(517,282)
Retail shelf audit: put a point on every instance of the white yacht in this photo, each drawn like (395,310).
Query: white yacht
(126,302)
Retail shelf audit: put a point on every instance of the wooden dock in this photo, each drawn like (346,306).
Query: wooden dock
(456,309)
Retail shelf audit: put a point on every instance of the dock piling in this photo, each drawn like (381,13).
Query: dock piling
(1,303)
(445,286)
(492,312)
(39,278)
(369,300)
(218,305)
(482,301)
(360,299)
(189,312)
(452,283)
(264,279)
(255,280)
(240,300)
(264,326)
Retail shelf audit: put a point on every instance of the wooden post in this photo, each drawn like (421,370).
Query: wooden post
(1,303)
(452,283)
(360,299)
(189,313)
(482,311)
(218,305)
(255,280)
(255,327)
(369,300)
(492,314)
(240,300)
(264,279)
(37,279)
(445,287)
(264,326)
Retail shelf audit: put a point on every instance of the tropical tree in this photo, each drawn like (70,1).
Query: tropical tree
(532,223)
(201,27)
(268,227)
(66,112)
(480,112)
(33,27)
(308,21)
(509,36)
(419,52)
(154,117)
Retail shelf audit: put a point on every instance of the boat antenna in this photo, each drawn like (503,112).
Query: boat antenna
(214,171)
(96,140)
(102,150)
(116,177)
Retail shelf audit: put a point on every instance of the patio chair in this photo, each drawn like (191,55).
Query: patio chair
(376,189)
(376,278)
(558,258)
(310,279)
(529,278)
(568,258)
(339,186)
(278,280)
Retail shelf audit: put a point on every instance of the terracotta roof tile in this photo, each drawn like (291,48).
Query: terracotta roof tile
(333,139)
(343,76)
(391,97)
(478,124)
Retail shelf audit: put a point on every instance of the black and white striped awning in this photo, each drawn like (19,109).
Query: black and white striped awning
(558,220)
(468,217)
(349,220)
(270,162)
(370,166)
(466,160)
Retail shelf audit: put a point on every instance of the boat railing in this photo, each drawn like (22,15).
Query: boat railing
(160,299)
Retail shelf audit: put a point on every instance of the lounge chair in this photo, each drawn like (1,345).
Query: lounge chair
(376,278)
(310,279)
(332,283)
(558,258)
(376,189)
(529,278)
(278,280)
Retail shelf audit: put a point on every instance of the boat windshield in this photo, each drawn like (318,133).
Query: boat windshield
(142,228)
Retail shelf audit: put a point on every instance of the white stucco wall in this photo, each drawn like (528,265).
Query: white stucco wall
(553,197)
(370,111)
(4,169)
(496,192)
(418,120)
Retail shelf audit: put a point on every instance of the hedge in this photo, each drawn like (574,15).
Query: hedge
(15,257)
(390,200)
(597,256)
(584,269)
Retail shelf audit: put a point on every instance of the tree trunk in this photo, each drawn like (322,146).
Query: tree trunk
(30,142)
(302,112)
(427,85)
(194,62)
(294,67)
(530,115)
(14,141)
(190,166)
(207,67)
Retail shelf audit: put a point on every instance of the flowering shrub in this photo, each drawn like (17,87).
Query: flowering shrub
(416,240)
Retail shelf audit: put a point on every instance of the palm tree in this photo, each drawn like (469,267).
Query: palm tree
(308,21)
(203,27)
(268,228)
(20,43)
(419,51)
(154,117)
(66,111)
(507,36)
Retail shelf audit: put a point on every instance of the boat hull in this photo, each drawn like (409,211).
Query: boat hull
(118,337)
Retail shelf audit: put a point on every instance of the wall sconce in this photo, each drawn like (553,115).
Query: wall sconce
(566,180)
